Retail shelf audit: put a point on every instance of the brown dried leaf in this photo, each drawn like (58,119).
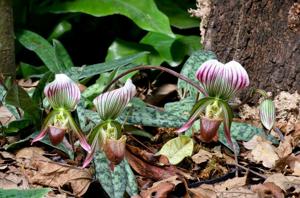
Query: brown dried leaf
(52,174)
(285,182)
(292,162)
(268,189)
(173,180)
(158,191)
(202,156)
(203,191)
(145,155)
(13,180)
(150,171)
(262,151)
(285,147)
(231,183)
(287,110)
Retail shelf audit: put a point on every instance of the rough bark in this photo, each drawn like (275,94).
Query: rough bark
(7,50)
(263,35)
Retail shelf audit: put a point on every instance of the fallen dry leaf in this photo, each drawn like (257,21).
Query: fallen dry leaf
(285,182)
(173,180)
(42,171)
(292,162)
(203,191)
(230,184)
(268,189)
(158,191)
(287,110)
(201,156)
(153,172)
(262,151)
(285,147)
(57,175)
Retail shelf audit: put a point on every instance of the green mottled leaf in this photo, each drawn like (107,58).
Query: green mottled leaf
(113,182)
(177,11)
(144,13)
(189,70)
(28,193)
(177,149)
(42,48)
(148,116)
(18,97)
(88,119)
(132,187)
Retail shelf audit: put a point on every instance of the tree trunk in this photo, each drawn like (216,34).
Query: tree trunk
(263,35)
(7,49)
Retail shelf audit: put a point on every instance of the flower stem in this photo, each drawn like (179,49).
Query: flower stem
(180,76)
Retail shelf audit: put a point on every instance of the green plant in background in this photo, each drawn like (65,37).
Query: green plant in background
(63,95)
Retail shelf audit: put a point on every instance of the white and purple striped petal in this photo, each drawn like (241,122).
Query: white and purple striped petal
(222,80)
(62,93)
(110,104)
(267,114)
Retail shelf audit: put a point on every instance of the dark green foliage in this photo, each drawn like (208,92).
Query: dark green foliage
(19,98)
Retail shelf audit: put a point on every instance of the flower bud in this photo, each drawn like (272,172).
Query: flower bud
(267,113)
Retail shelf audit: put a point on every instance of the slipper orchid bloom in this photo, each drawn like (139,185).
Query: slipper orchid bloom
(63,95)
(107,135)
(221,82)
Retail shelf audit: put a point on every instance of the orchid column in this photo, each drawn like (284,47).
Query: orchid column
(107,136)
(63,95)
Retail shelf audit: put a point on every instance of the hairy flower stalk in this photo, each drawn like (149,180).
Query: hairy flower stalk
(63,95)
(221,82)
(107,136)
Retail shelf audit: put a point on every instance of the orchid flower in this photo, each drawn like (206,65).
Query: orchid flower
(107,135)
(63,95)
(221,82)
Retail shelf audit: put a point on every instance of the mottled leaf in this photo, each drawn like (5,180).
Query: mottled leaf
(28,193)
(132,187)
(114,181)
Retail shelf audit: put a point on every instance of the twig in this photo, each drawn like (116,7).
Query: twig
(248,169)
